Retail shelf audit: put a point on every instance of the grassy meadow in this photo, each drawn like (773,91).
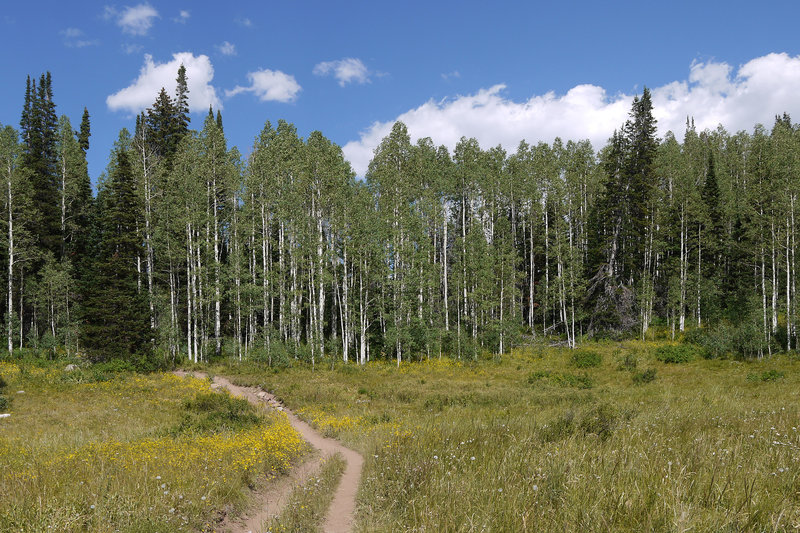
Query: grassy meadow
(624,436)
(619,437)
(84,451)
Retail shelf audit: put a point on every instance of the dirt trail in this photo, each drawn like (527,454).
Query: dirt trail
(340,514)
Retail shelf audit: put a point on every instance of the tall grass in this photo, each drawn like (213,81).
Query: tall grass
(451,446)
(134,453)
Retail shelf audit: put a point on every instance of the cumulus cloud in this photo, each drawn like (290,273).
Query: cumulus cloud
(134,20)
(347,70)
(227,49)
(269,85)
(153,76)
(714,93)
(182,17)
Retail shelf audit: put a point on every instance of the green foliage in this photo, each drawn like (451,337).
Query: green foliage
(277,356)
(628,362)
(600,420)
(563,379)
(431,254)
(675,353)
(744,340)
(585,359)
(767,375)
(115,315)
(5,402)
(647,376)
(214,412)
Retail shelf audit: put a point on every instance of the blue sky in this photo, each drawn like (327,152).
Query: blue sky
(499,72)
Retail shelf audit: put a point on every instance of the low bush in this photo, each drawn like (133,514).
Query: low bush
(601,420)
(676,353)
(586,359)
(744,340)
(769,375)
(563,379)
(214,412)
(647,376)
(627,363)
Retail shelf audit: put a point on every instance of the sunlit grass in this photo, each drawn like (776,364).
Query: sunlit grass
(112,455)
(457,446)
(309,502)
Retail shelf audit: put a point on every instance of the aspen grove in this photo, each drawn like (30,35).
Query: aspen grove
(191,250)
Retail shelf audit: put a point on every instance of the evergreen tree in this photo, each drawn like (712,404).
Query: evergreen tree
(181,118)
(85,132)
(115,315)
(39,127)
(624,221)
(161,125)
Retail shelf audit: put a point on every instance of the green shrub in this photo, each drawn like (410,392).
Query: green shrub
(602,420)
(213,412)
(5,403)
(565,379)
(769,375)
(560,429)
(627,363)
(647,376)
(744,340)
(3,383)
(676,353)
(585,359)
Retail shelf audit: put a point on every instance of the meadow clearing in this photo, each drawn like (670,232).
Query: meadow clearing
(87,451)
(544,439)
(609,438)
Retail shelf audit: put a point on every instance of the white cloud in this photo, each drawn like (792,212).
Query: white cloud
(153,76)
(227,49)
(450,75)
(71,33)
(182,17)
(347,70)
(131,48)
(269,85)
(245,22)
(75,38)
(134,20)
(714,94)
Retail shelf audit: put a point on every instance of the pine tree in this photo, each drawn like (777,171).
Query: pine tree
(181,103)
(116,320)
(85,132)
(39,125)
(623,222)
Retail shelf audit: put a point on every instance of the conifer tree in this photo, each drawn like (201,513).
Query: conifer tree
(182,119)
(621,256)
(39,125)
(115,319)
(85,132)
